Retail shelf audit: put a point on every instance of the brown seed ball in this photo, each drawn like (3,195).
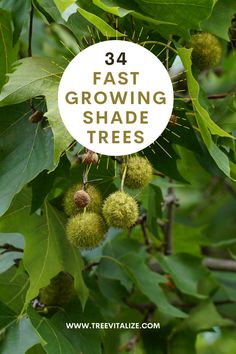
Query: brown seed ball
(90,157)
(173,119)
(81,198)
(36,117)
(95,203)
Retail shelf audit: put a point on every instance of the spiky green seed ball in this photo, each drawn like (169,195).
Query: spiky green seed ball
(58,292)
(95,203)
(138,173)
(207,50)
(86,230)
(120,210)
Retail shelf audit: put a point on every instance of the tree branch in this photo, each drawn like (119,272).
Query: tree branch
(170,202)
(10,248)
(223,265)
(220,95)
(90,266)
(142,222)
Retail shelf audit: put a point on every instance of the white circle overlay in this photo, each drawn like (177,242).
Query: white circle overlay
(151,76)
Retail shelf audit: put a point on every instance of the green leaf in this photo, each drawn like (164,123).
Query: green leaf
(7,316)
(34,77)
(205,123)
(227,284)
(203,317)
(103,27)
(188,239)
(111,7)
(51,338)
(183,342)
(114,8)
(164,158)
(48,252)
(186,15)
(131,262)
(23,155)
(49,9)
(52,184)
(14,285)
(62,5)
(81,340)
(19,12)
(36,349)
(186,272)
(19,338)
(147,282)
(226,82)
(8,52)
(56,338)
(220,19)
(172,17)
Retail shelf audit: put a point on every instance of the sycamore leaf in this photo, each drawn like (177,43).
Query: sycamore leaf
(186,272)
(178,17)
(47,251)
(52,339)
(23,155)
(62,5)
(206,125)
(19,337)
(101,25)
(39,77)
(8,53)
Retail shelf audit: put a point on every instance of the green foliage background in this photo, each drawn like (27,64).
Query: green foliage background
(191,288)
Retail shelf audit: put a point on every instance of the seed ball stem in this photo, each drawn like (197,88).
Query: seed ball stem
(120,210)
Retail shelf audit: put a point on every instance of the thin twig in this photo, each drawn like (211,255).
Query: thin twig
(30,30)
(159,174)
(10,248)
(220,95)
(223,265)
(170,204)
(90,266)
(145,235)
(220,264)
